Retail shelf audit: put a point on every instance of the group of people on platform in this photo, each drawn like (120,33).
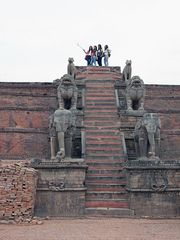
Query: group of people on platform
(96,54)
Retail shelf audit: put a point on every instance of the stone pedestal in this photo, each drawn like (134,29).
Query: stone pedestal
(154,188)
(61,190)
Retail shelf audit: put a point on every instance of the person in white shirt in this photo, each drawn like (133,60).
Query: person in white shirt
(107,54)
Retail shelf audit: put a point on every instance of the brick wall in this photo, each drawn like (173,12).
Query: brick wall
(17,192)
(26,107)
(24,119)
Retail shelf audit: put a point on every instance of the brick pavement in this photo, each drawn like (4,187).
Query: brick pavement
(96,229)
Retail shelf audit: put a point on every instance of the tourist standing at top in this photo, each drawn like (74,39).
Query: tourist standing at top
(88,57)
(99,54)
(107,54)
(94,56)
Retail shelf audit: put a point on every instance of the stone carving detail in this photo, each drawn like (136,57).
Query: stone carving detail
(62,122)
(159,181)
(135,93)
(127,71)
(71,69)
(53,185)
(67,93)
(147,136)
(56,185)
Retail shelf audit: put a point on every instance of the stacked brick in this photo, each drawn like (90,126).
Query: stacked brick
(17,192)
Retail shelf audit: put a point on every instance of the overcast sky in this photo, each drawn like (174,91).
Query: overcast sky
(38,36)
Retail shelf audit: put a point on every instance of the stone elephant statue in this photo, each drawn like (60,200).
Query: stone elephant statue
(147,136)
(61,123)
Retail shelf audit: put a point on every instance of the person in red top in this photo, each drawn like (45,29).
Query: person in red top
(94,56)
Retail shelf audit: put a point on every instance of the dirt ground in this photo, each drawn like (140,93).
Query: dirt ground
(93,228)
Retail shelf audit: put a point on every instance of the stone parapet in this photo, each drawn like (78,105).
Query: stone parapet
(61,190)
(154,188)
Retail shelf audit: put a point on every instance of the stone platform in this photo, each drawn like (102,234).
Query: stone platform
(60,189)
(154,188)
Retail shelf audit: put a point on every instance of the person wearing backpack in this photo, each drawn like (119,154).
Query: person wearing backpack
(107,54)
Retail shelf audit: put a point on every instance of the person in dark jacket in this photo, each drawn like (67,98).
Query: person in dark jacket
(99,54)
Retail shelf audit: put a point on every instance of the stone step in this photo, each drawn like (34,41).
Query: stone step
(106,159)
(101,93)
(104,143)
(104,128)
(101,77)
(99,82)
(104,167)
(102,137)
(99,123)
(99,69)
(119,175)
(103,172)
(96,151)
(103,118)
(106,139)
(100,98)
(106,195)
(91,175)
(116,131)
(102,132)
(105,164)
(104,104)
(109,212)
(105,180)
(101,107)
(102,187)
(100,154)
(116,203)
(99,114)
(99,86)
(98,111)
(99,133)
(106,146)
(101,104)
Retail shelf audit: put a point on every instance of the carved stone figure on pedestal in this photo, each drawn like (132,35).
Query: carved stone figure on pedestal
(71,69)
(147,136)
(67,93)
(62,122)
(127,71)
(135,93)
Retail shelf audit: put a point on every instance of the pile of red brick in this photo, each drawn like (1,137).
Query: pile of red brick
(17,192)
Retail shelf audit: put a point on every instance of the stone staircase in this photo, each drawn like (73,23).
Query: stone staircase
(104,153)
